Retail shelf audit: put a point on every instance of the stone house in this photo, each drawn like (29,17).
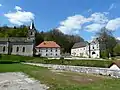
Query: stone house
(87,50)
(19,45)
(48,49)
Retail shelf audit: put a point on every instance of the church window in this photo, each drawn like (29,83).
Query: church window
(4,49)
(23,49)
(17,49)
(31,33)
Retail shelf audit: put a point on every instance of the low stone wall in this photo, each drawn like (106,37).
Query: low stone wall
(82,69)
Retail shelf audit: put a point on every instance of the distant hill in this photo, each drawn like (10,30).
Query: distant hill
(65,41)
(21,31)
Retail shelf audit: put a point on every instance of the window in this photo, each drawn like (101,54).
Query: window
(93,47)
(31,33)
(4,49)
(17,49)
(46,50)
(23,49)
(56,49)
(46,54)
(93,53)
(56,54)
(51,49)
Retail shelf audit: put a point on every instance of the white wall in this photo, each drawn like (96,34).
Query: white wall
(94,48)
(84,51)
(81,52)
(48,52)
(114,67)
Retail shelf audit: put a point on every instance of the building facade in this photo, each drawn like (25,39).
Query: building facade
(87,50)
(48,49)
(19,46)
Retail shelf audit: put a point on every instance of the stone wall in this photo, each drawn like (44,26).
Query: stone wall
(81,69)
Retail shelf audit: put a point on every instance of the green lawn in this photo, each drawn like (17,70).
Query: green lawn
(64,80)
(91,63)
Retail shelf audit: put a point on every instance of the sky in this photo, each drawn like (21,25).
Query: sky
(74,17)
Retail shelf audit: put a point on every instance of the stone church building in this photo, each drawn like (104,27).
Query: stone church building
(19,45)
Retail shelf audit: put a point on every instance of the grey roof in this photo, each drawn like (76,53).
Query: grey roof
(79,45)
(16,39)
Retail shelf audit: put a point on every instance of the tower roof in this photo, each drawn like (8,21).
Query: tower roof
(32,26)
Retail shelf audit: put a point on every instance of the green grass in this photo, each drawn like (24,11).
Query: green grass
(92,63)
(64,80)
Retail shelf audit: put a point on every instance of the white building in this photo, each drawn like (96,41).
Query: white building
(87,50)
(80,49)
(48,49)
(115,65)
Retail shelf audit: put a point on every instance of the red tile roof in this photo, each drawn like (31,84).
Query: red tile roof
(48,44)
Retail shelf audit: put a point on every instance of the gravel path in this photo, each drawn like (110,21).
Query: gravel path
(19,81)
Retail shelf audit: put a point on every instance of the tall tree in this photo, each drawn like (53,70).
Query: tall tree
(106,37)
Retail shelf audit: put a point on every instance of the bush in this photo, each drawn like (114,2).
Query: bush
(8,62)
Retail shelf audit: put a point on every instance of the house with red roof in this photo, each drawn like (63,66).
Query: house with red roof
(48,49)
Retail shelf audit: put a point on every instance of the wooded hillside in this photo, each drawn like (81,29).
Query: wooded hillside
(65,41)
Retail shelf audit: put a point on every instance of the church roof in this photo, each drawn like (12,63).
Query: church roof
(79,45)
(48,44)
(16,39)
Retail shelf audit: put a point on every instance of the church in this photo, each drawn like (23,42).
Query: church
(19,45)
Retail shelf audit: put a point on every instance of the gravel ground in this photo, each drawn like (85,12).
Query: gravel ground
(19,81)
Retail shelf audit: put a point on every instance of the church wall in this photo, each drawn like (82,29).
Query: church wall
(17,49)
(3,47)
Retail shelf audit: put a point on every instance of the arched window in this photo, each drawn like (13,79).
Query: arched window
(93,53)
(4,49)
(31,33)
(23,49)
(17,49)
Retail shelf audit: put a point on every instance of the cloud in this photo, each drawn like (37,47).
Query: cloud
(74,24)
(113,24)
(18,8)
(99,18)
(118,38)
(94,27)
(19,17)
(0,5)
(113,5)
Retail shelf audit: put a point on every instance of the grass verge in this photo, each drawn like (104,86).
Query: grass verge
(64,80)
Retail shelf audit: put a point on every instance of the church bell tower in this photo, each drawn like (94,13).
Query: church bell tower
(32,31)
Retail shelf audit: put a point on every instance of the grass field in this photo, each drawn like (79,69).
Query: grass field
(91,63)
(57,80)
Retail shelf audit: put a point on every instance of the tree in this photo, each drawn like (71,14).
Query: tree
(106,37)
(117,50)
